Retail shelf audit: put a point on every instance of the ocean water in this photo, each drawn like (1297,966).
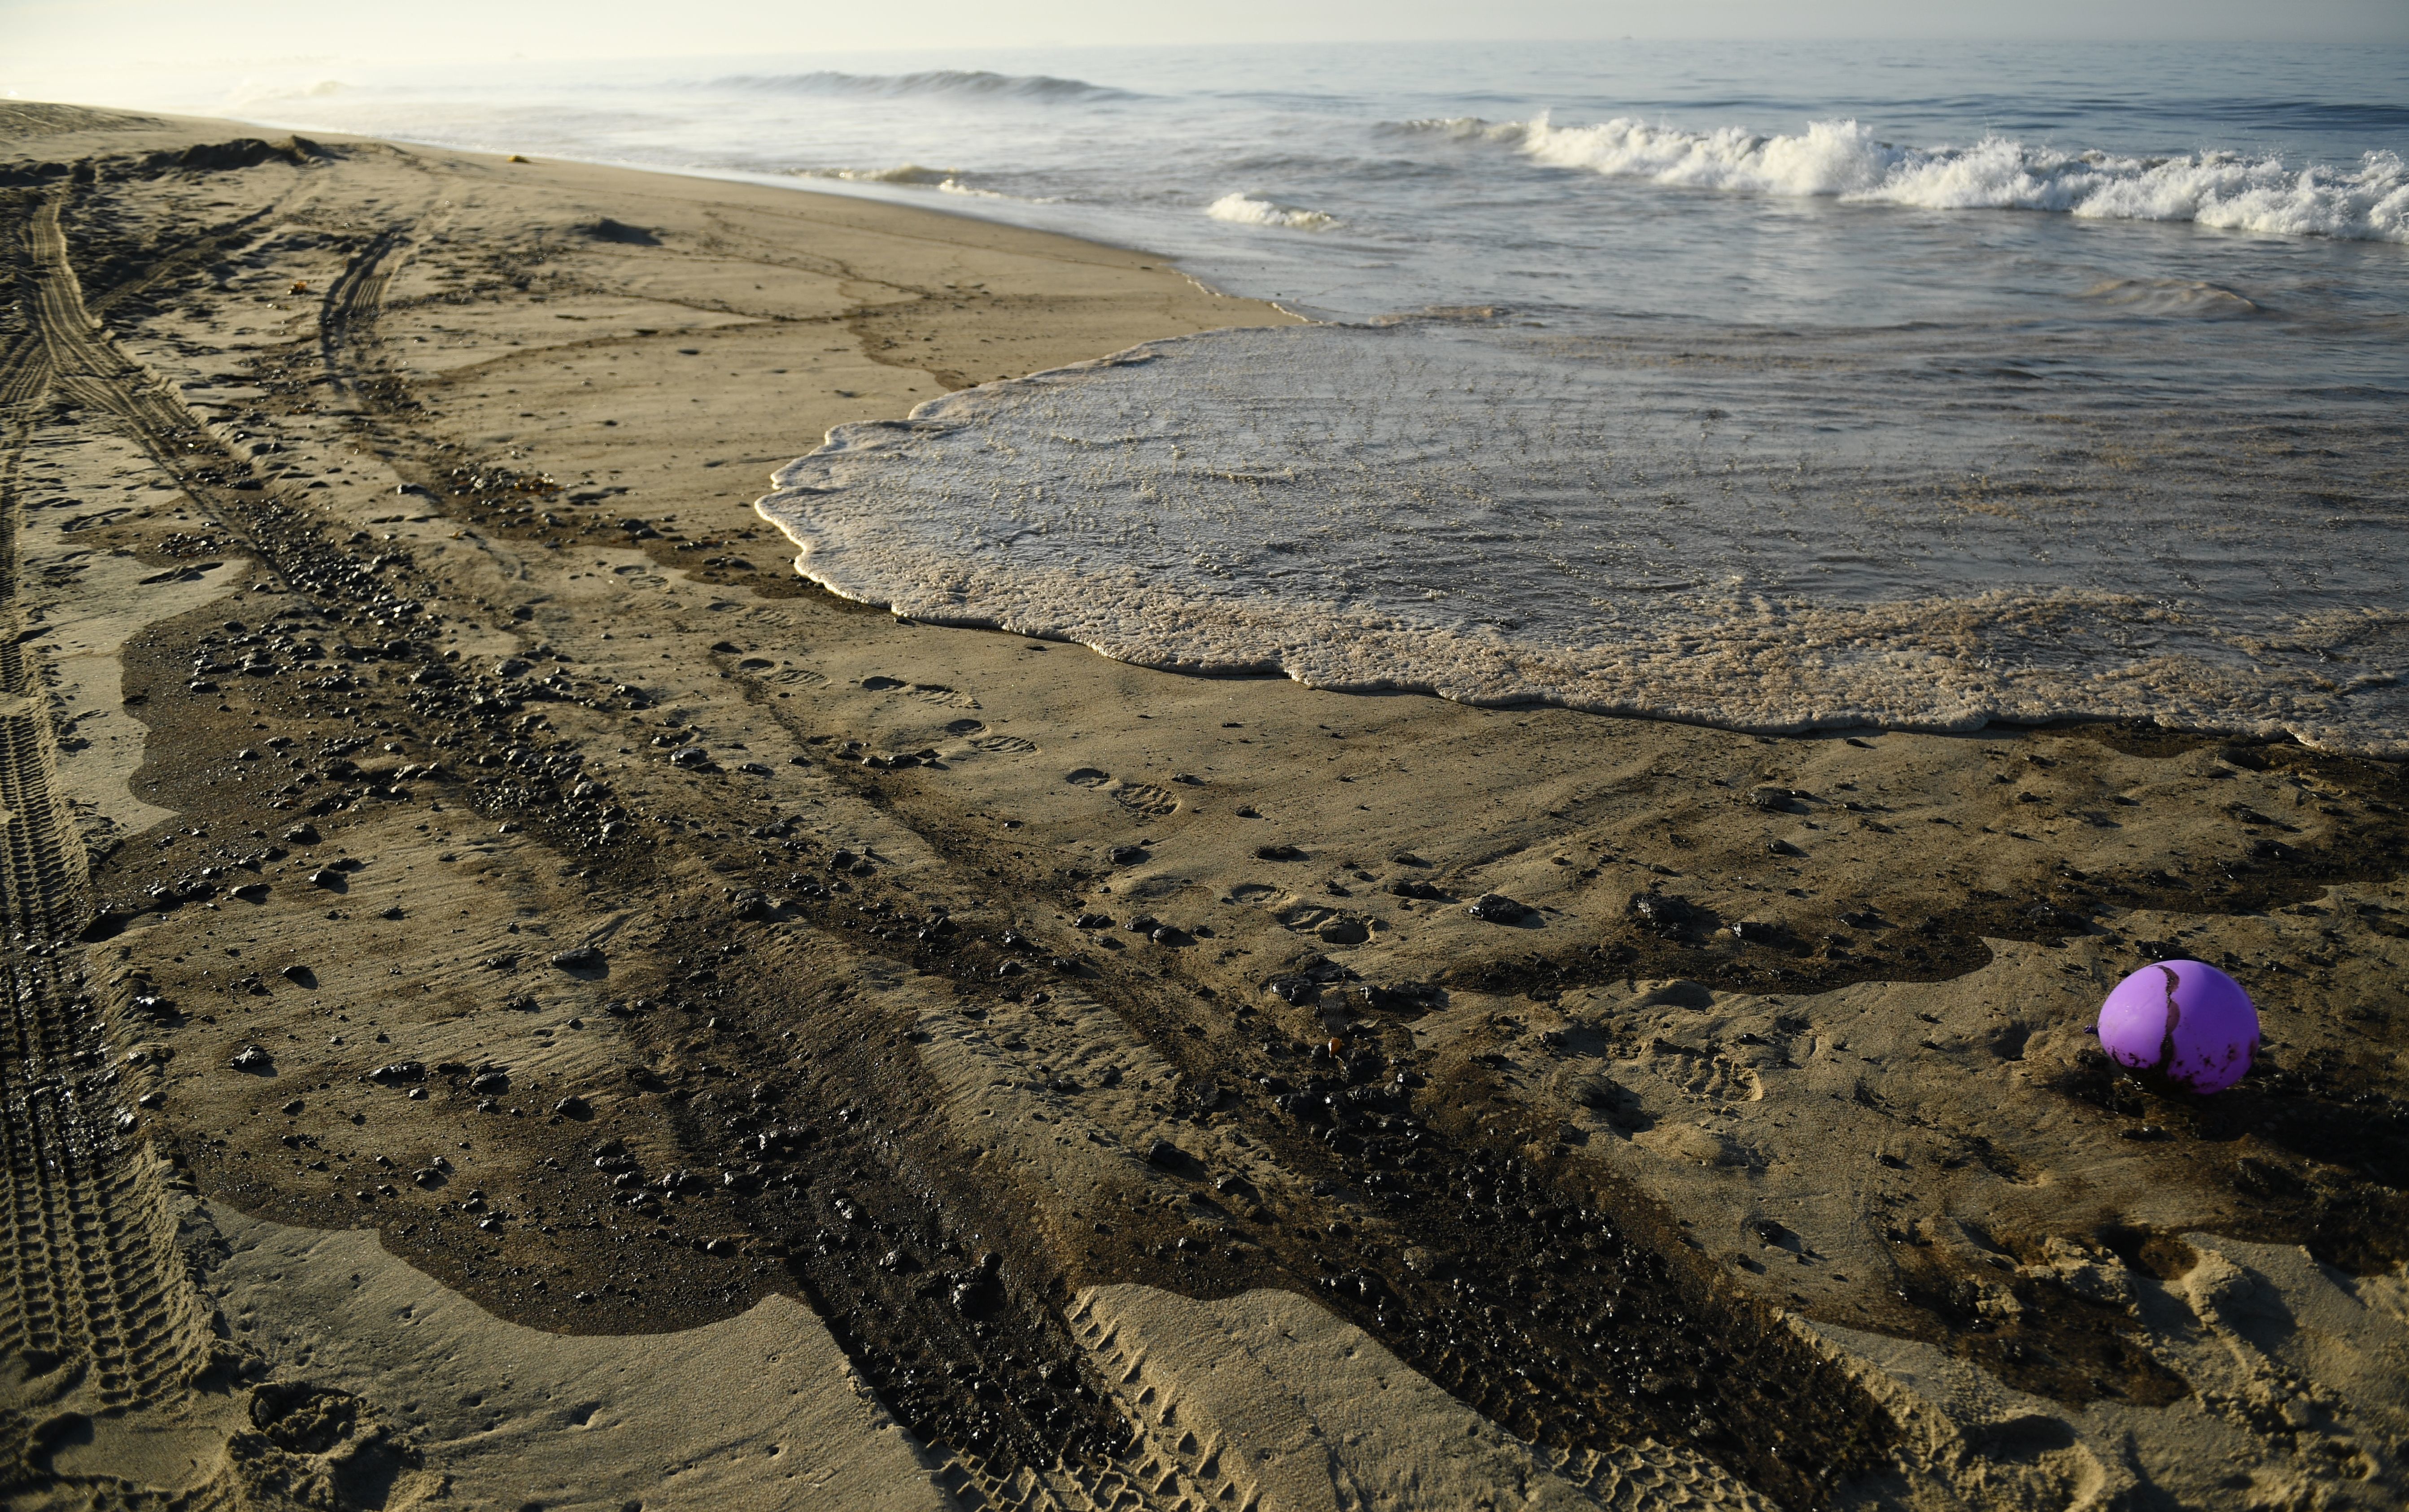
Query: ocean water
(1779,387)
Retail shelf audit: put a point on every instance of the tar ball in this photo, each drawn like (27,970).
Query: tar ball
(2184,1020)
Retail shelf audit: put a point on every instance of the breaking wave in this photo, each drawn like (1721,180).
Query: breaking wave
(975,83)
(908,173)
(943,180)
(1245,210)
(1844,160)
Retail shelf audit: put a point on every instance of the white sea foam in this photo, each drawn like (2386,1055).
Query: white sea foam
(1463,509)
(1245,210)
(1844,160)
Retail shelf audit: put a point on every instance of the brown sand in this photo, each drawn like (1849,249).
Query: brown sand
(873,1155)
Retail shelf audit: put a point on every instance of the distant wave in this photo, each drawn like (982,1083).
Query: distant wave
(249,95)
(944,181)
(909,173)
(976,83)
(2173,296)
(1844,160)
(1245,210)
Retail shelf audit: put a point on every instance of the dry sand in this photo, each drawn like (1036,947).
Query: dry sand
(521,1001)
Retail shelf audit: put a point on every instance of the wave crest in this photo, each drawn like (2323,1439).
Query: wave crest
(972,82)
(943,180)
(1245,210)
(908,173)
(1843,160)
(2173,296)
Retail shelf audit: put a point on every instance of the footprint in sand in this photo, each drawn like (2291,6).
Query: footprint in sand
(1689,1145)
(1138,798)
(1704,1075)
(1145,798)
(1003,745)
(936,693)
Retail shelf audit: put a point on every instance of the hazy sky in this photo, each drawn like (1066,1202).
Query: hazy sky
(38,35)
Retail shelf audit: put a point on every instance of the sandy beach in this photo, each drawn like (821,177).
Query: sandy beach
(523,1000)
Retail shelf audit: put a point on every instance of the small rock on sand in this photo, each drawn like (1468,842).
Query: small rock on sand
(1496,908)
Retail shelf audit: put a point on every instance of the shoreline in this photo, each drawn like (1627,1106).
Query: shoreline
(980,1015)
(912,515)
(2127,728)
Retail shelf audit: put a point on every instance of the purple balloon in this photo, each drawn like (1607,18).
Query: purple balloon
(2184,1019)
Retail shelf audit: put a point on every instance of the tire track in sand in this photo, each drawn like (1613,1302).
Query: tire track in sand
(97,1314)
(150,1331)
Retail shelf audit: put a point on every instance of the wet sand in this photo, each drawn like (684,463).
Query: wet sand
(523,1000)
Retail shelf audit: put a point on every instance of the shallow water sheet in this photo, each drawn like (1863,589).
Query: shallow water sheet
(1767,532)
